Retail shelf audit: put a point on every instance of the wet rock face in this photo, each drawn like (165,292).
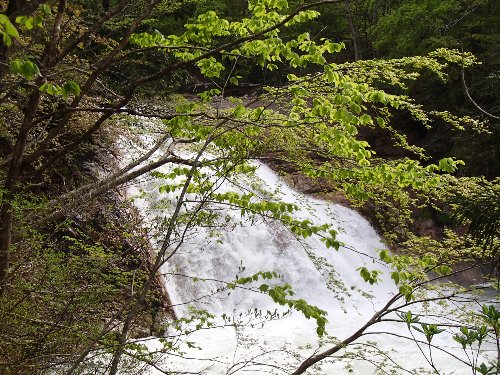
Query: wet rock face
(303,183)
(316,188)
(427,227)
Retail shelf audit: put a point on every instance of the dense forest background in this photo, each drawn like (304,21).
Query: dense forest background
(79,276)
(394,29)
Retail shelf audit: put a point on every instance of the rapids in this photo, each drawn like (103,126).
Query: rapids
(250,333)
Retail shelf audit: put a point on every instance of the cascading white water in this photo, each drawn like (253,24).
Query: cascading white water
(324,277)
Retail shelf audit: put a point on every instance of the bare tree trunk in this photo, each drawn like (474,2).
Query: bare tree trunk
(315,358)
(159,261)
(5,240)
(14,171)
(9,187)
(356,40)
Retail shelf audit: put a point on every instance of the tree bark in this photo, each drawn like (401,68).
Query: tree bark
(14,171)
(356,335)
(355,37)
(6,213)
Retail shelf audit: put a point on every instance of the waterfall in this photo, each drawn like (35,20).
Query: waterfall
(252,334)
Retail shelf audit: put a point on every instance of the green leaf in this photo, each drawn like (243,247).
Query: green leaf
(365,119)
(378,96)
(409,318)
(70,88)
(29,22)
(443,270)
(51,88)
(239,111)
(333,47)
(9,28)
(46,9)
(25,68)
(406,290)
(395,277)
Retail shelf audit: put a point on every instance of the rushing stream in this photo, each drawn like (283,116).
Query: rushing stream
(267,339)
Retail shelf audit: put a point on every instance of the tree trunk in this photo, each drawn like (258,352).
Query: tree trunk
(12,179)
(5,240)
(9,187)
(356,40)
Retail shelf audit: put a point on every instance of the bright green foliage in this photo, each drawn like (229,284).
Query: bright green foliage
(48,307)
(472,339)
(484,369)
(369,276)
(67,89)
(329,125)
(468,337)
(408,318)
(7,30)
(320,114)
(202,318)
(267,51)
(30,22)
(429,330)
(314,123)
(491,316)
(37,21)
(25,68)
(281,295)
